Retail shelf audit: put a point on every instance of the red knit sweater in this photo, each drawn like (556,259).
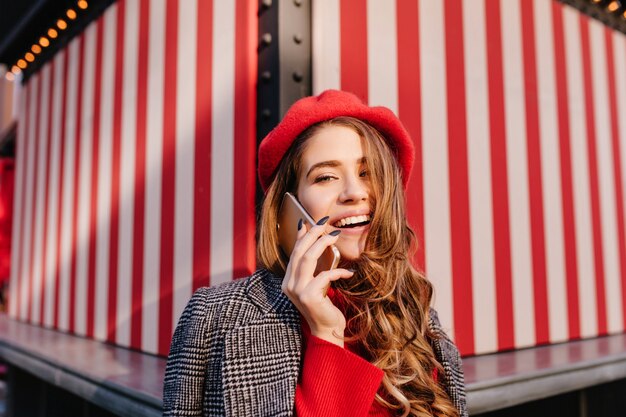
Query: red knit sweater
(336,381)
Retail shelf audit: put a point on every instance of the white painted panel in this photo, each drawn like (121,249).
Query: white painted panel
(154,150)
(105,155)
(517,171)
(127,173)
(551,173)
(580,174)
(84,180)
(435,154)
(606,179)
(479,173)
(185,148)
(326,45)
(222,150)
(382,54)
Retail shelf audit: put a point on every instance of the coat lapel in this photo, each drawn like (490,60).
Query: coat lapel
(262,357)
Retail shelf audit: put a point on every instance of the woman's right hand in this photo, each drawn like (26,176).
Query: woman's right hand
(308,292)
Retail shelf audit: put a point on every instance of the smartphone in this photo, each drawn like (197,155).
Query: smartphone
(291,211)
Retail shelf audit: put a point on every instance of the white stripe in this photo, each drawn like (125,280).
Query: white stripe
(580,174)
(551,173)
(619,51)
(435,148)
(479,176)
(127,173)
(606,180)
(16,236)
(53,191)
(326,45)
(382,54)
(84,180)
(154,149)
(517,171)
(39,205)
(105,172)
(222,162)
(185,149)
(29,190)
(67,221)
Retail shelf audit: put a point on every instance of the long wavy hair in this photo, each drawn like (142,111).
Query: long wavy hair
(387,299)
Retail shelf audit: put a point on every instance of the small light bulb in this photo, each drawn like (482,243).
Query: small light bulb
(16,70)
(61,24)
(29,57)
(22,64)
(52,33)
(82,4)
(9,76)
(43,41)
(36,49)
(71,14)
(613,6)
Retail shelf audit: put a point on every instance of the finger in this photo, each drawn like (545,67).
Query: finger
(308,262)
(319,285)
(308,238)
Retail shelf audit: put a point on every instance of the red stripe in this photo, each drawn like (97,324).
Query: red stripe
(617,164)
(569,227)
(593,175)
(45,287)
(35,168)
(459,188)
(95,163)
(57,266)
(499,178)
(410,112)
(244,245)
(353,44)
(169,173)
(140,175)
(535,183)
(115,174)
(74,251)
(19,281)
(202,162)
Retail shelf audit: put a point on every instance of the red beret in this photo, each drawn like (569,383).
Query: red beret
(329,105)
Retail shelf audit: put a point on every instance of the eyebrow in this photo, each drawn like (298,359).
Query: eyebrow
(331,164)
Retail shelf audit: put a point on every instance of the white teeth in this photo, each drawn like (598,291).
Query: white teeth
(352,220)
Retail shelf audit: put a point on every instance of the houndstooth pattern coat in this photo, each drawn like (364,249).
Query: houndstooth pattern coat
(237,348)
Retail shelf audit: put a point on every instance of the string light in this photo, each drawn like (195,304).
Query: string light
(9,76)
(61,24)
(29,57)
(36,49)
(43,41)
(22,64)
(613,6)
(16,70)
(52,33)
(71,14)
(82,4)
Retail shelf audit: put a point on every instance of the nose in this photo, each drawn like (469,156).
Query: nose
(355,190)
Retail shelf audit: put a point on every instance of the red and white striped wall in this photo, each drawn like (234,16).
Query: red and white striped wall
(135,170)
(518,191)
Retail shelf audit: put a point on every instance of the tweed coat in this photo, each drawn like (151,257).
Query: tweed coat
(237,351)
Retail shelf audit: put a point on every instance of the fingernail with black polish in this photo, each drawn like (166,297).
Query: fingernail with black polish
(335,232)
(323,220)
(299,224)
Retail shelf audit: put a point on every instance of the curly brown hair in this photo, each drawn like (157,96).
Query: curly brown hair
(387,299)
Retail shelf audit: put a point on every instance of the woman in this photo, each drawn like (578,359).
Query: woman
(277,343)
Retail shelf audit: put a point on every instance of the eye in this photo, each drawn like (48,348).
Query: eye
(323,178)
(364,173)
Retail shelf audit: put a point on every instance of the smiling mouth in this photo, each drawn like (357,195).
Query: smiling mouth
(353,221)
